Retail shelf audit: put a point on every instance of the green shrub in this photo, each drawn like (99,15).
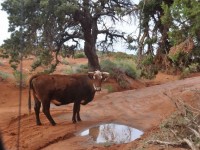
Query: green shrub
(121,55)
(79,55)
(185,73)
(82,68)
(194,67)
(119,69)
(149,71)
(68,70)
(109,66)
(128,67)
(20,78)
(76,69)
(148,68)
(109,88)
(3,75)
(147,60)
(65,62)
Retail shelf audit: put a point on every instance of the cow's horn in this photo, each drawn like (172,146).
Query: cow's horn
(106,73)
(90,73)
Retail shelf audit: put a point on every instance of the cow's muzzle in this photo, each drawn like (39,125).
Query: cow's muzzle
(96,88)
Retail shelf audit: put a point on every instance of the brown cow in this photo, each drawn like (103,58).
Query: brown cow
(64,89)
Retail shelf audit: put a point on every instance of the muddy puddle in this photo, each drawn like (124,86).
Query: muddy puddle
(111,133)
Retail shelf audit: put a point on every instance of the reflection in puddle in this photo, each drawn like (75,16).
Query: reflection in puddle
(112,133)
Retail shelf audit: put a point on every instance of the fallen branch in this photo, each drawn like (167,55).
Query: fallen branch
(179,143)
(190,144)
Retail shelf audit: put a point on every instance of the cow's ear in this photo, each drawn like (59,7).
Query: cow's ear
(105,75)
(91,75)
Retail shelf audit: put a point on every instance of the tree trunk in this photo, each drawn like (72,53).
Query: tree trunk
(90,30)
(90,52)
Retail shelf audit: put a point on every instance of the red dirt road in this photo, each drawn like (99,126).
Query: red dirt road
(142,109)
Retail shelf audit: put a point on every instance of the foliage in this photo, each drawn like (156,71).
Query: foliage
(3,75)
(43,59)
(68,70)
(109,88)
(82,69)
(148,68)
(20,77)
(51,25)
(76,69)
(185,73)
(184,19)
(65,62)
(121,56)
(194,67)
(119,69)
(79,55)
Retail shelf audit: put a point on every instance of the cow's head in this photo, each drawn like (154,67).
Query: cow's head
(97,78)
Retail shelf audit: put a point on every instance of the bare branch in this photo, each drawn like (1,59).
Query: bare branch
(190,144)
(197,134)
(179,143)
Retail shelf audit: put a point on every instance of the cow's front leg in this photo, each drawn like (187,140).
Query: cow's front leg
(46,107)
(75,111)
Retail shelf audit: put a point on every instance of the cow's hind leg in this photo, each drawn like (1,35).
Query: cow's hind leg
(37,110)
(78,113)
(46,107)
(76,110)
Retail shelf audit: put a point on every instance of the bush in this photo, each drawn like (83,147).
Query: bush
(18,76)
(185,73)
(119,69)
(82,68)
(3,75)
(148,68)
(76,69)
(109,88)
(194,67)
(79,55)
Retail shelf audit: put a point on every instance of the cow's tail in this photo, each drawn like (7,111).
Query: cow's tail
(30,88)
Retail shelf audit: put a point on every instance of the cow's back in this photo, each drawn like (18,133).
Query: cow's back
(65,88)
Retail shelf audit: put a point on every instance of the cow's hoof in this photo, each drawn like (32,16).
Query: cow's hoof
(74,121)
(39,123)
(53,123)
(79,120)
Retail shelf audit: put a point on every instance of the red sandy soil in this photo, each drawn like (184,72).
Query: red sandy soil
(143,107)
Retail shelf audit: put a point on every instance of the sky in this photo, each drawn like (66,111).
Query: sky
(120,46)
(3,25)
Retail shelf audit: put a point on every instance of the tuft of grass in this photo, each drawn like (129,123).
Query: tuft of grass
(4,75)
(109,88)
